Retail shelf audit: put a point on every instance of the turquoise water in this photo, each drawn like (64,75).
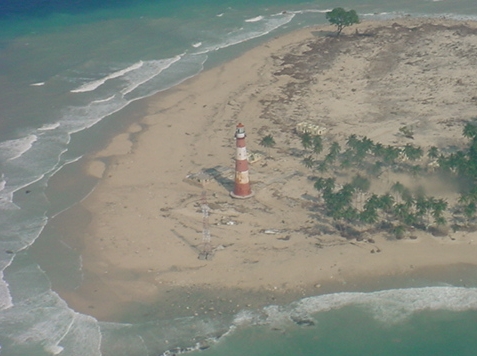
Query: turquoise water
(71,74)
(353,331)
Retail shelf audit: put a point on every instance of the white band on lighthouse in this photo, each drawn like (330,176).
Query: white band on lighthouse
(241,153)
(242,177)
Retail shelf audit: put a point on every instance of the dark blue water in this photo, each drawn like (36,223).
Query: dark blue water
(68,72)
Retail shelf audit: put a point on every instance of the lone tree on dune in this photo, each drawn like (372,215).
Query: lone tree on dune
(342,18)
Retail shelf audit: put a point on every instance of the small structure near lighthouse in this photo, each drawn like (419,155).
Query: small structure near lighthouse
(242,189)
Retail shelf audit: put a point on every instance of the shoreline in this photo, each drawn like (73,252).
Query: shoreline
(146,222)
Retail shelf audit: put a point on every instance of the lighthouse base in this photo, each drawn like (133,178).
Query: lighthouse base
(233,195)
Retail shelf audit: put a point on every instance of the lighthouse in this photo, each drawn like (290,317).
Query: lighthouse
(242,189)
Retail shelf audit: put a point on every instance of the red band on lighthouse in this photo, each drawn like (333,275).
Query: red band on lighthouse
(242,189)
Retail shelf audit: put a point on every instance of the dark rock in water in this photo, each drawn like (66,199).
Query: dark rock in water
(10,252)
(302,321)
(204,347)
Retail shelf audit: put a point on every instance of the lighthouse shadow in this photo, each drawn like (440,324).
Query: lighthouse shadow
(222,175)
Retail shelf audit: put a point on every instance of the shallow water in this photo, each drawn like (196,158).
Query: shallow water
(71,72)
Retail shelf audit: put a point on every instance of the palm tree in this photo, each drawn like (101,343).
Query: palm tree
(440,220)
(391,154)
(320,184)
(470,130)
(376,168)
(433,153)
(398,189)
(428,209)
(330,183)
(457,162)
(337,203)
(437,207)
(267,142)
(324,184)
(306,140)
(334,151)
(469,197)
(308,162)
(317,143)
(373,202)
(404,215)
(361,185)
(440,205)
(370,213)
(350,214)
(379,150)
(422,206)
(443,162)
(366,145)
(415,170)
(407,197)
(352,141)
(401,211)
(385,204)
(322,166)
(399,231)
(469,212)
(411,152)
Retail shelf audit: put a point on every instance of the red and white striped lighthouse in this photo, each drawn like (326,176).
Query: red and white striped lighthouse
(242,189)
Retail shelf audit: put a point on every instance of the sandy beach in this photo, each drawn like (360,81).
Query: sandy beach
(144,234)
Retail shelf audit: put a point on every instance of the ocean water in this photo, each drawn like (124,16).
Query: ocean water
(70,74)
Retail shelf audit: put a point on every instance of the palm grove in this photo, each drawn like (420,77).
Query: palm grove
(354,207)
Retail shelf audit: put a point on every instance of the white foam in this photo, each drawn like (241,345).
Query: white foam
(196,45)
(90,86)
(388,306)
(150,70)
(6,201)
(13,149)
(311,11)
(76,119)
(246,317)
(5,297)
(39,317)
(53,349)
(255,19)
(220,15)
(254,30)
(37,84)
(104,100)
(189,66)
(49,127)
(83,337)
